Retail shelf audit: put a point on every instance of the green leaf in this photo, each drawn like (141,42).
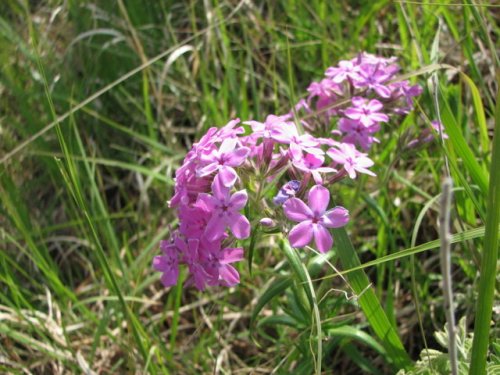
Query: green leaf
(462,149)
(487,278)
(358,335)
(369,303)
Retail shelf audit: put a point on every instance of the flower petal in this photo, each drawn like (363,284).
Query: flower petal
(229,275)
(215,228)
(206,202)
(301,234)
(296,210)
(238,200)
(322,238)
(237,157)
(208,169)
(227,176)
(240,226)
(336,155)
(335,218)
(318,199)
(220,190)
(231,255)
(227,145)
(160,263)
(169,277)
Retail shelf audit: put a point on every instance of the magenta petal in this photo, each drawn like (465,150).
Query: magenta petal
(358,101)
(296,210)
(335,218)
(257,127)
(229,275)
(240,226)
(380,117)
(383,91)
(238,156)
(170,278)
(295,151)
(374,105)
(238,200)
(199,280)
(215,228)
(208,169)
(159,263)
(322,238)
(227,176)
(219,189)
(206,201)
(231,255)
(301,234)
(353,113)
(336,155)
(318,199)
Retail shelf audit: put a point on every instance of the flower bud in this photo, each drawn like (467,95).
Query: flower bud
(267,222)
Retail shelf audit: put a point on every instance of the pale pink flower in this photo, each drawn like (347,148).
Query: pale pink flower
(366,112)
(224,209)
(314,219)
(217,263)
(356,133)
(168,263)
(352,160)
(223,161)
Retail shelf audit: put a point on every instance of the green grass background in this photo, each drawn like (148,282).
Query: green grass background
(99,101)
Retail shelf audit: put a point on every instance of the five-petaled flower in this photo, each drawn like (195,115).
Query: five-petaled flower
(224,160)
(314,220)
(225,211)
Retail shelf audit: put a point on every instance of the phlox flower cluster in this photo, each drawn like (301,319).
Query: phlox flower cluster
(227,180)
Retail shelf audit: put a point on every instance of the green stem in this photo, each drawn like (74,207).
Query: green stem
(484,305)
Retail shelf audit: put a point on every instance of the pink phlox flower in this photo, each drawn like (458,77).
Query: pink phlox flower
(356,133)
(313,164)
(224,209)
(250,141)
(218,264)
(168,263)
(326,91)
(439,128)
(352,160)
(325,88)
(264,129)
(407,92)
(366,112)
(373,77)
(230,130)
(223,161)
(328,141)
(345,69)
(193,220)
(369,58)
(191,256)
(206,142)
(298,143)
(314,219)
(187,188)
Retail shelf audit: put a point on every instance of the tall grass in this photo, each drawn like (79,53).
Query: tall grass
(99,103)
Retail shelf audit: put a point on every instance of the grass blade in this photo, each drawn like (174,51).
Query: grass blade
(369,303)
(484,305)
